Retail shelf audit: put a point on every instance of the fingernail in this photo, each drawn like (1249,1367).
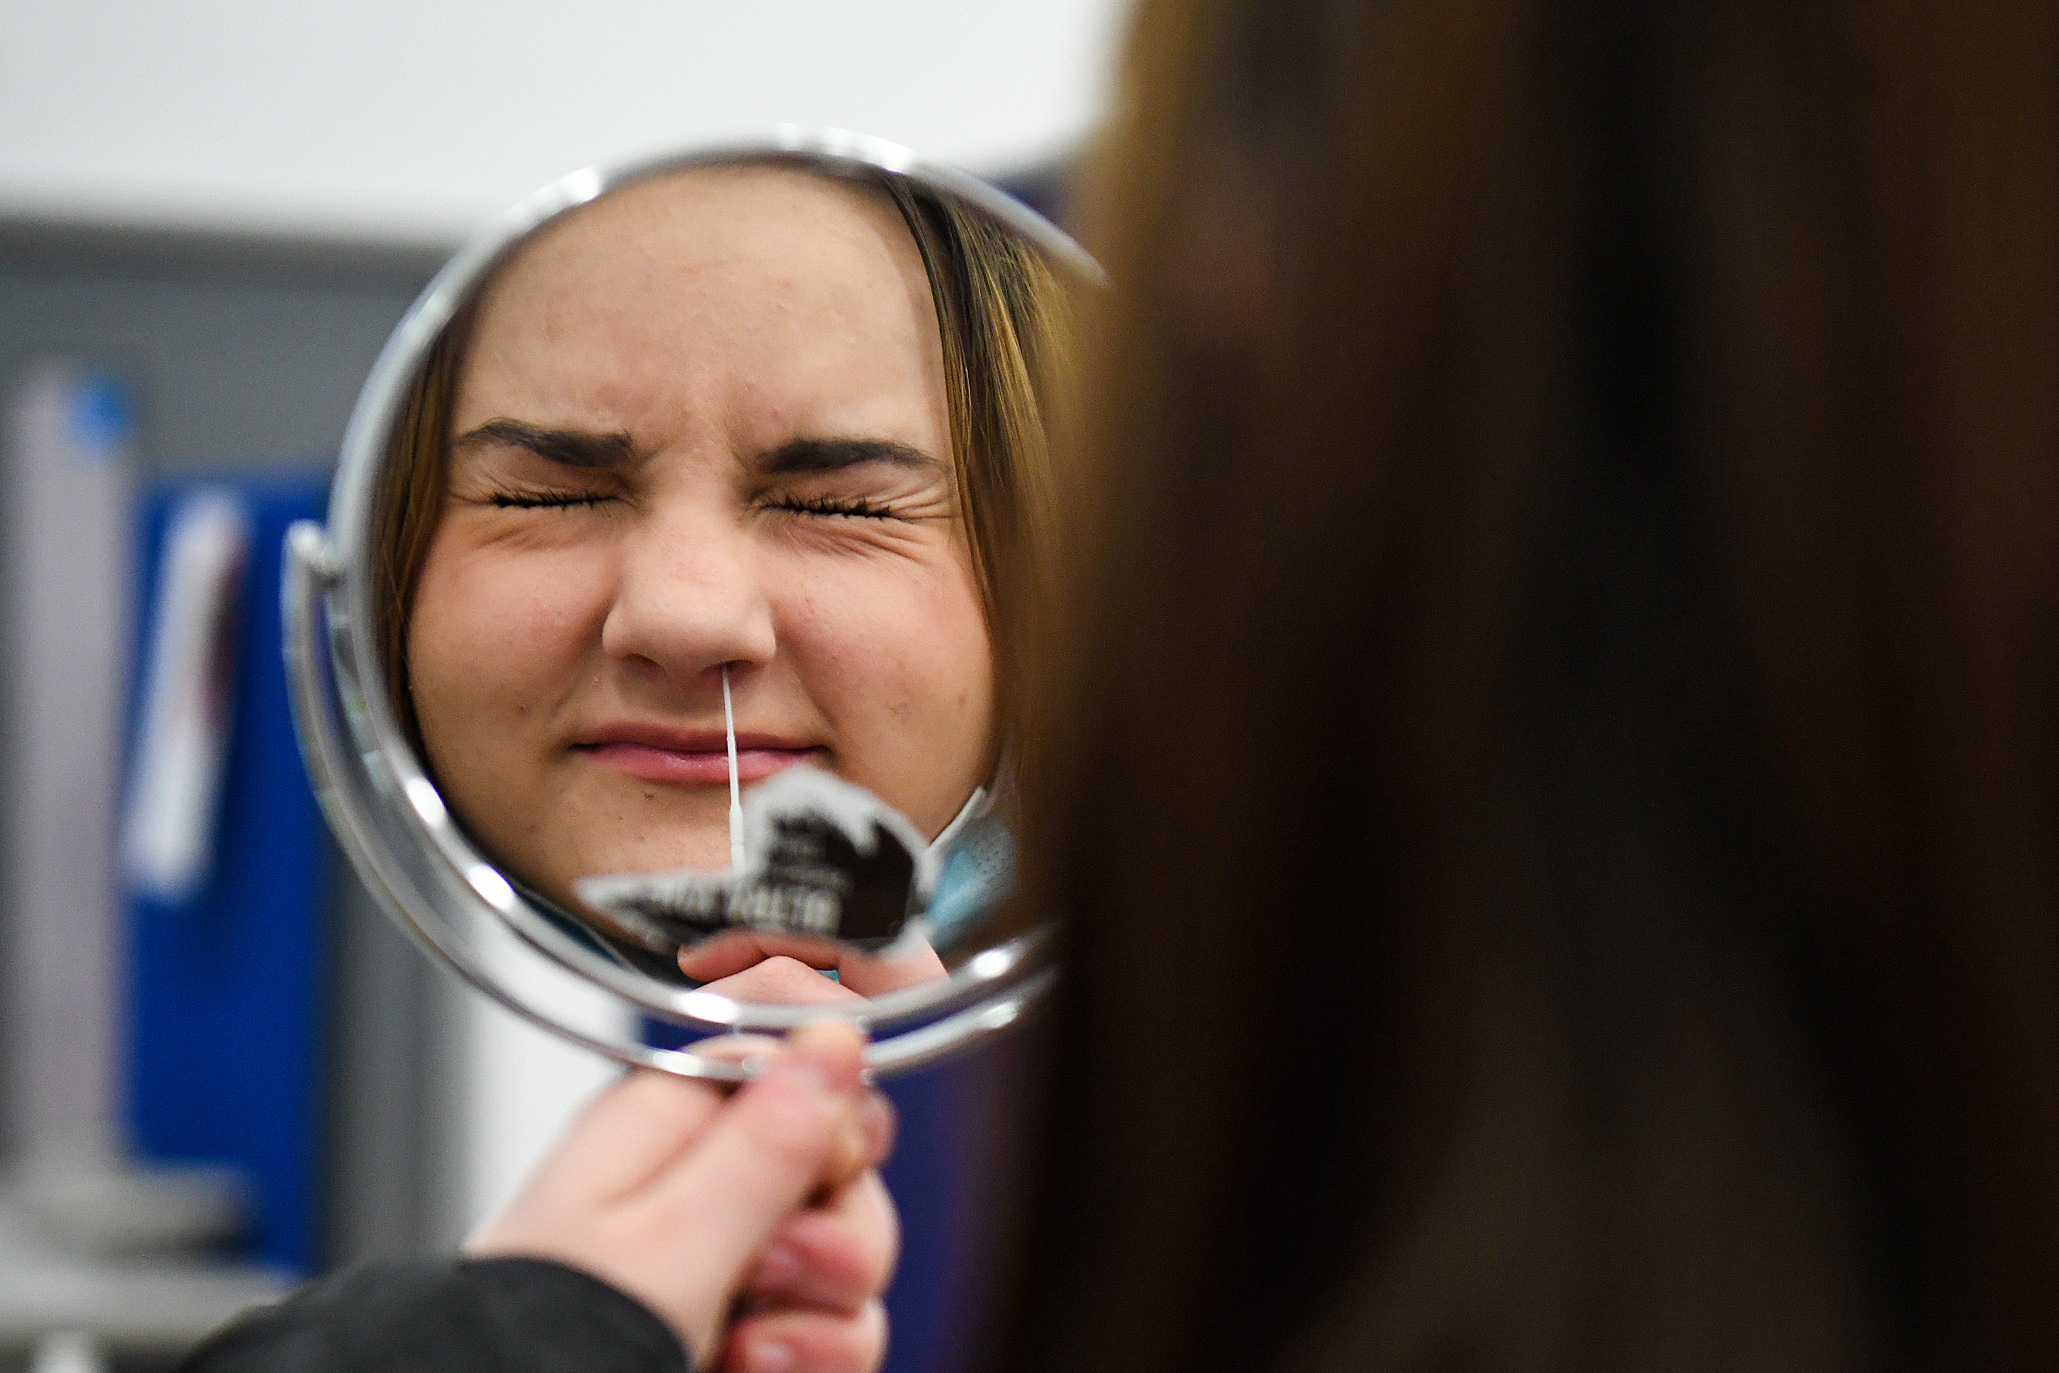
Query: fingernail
(846,1157)
(877,1119)
(824,1052)
(803,1071)
(768,1356)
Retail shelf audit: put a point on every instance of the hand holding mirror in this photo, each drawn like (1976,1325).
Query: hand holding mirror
(714,476)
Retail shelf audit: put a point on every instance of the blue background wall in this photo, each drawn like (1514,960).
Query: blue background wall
(228,990)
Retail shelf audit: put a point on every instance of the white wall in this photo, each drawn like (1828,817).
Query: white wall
(411,119)
(517,1088)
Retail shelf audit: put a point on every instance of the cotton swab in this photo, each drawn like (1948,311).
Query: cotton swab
(736,803)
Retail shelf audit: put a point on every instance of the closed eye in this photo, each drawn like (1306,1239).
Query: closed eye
(832,506)
(545,500)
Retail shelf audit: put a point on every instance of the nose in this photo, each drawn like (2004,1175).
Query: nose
(690,596)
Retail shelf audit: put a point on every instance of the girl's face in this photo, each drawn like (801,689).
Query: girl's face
(701,423)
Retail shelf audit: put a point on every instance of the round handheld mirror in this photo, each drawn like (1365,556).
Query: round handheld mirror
(647,665)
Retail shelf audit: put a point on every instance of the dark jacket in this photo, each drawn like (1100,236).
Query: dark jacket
(504,1315)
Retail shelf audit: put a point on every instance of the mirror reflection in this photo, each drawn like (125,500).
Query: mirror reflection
(733,472)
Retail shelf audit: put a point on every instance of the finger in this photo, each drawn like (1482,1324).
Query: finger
(798,1341)
(834,1257)
(762,1155)
(782,981)
(857,1149)
(623,1137)
(737,1048)
(862,1141)
(868,975)
(734,950)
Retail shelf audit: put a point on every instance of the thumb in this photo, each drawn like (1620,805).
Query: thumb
(762,1157)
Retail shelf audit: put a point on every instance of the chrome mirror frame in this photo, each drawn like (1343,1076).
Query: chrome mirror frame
(387,814)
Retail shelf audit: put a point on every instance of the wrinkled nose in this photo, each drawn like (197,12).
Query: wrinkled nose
(690,595)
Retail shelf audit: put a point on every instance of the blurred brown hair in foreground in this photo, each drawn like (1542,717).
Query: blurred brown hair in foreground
(1549,763)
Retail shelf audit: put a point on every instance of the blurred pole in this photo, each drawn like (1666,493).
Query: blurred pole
(69,479)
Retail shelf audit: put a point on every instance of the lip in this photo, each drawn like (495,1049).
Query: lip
(690,757)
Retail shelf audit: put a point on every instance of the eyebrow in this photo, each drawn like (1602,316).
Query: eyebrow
(572,447)
(831,455)
(587,449)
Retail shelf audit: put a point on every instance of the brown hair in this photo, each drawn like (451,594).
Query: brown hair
(409,505)
(1003,317)
(1548,760)
(1000,313)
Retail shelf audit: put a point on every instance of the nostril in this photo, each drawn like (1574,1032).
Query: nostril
(639,665)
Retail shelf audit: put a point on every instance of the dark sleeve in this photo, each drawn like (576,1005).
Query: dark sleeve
(505,1315)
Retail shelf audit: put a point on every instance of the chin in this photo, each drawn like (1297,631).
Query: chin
(701,852)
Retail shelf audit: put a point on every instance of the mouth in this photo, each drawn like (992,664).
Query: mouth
(691,758)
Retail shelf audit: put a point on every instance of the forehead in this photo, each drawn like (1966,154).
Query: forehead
(758,299)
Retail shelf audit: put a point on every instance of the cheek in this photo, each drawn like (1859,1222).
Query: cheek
(490,635)
(898,660)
